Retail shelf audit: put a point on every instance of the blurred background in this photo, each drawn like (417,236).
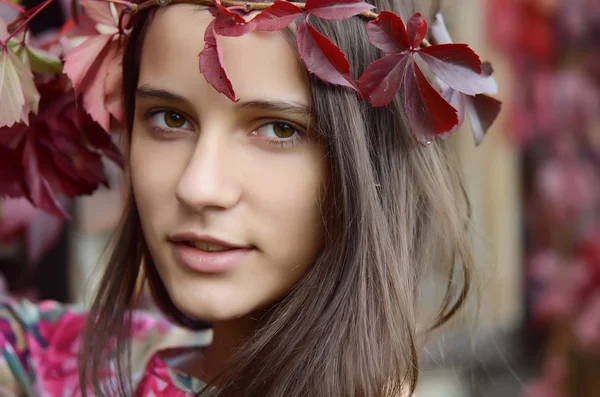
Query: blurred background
(533,327)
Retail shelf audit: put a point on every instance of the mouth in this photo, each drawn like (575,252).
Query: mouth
(208,247)
(207,254)
(206,243)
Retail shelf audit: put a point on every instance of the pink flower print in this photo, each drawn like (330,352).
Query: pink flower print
(157,382)
(56,363)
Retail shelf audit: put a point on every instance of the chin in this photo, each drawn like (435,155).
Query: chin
(212,307)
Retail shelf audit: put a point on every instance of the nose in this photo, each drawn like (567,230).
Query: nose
(209,179)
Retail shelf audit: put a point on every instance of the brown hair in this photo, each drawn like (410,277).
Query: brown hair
(393,210)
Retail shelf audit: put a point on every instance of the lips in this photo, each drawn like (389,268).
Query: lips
(208,247)
(207,254)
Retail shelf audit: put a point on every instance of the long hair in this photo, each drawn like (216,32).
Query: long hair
(393,210)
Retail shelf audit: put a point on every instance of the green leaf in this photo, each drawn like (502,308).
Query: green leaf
(43,62)
(11,92)
(39,61)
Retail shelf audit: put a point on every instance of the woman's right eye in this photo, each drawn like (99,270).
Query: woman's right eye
(162,121)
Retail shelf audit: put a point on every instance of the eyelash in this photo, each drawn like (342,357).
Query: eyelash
(277,142)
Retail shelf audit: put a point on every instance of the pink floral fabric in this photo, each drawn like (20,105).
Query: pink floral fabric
(40,343)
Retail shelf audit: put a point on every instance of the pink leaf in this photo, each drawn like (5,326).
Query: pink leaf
(42,234)
(82,62)
(277,17)
(229,23)
(388,33)
(112,87)
(381,81)
(458,66)
(323,58)
(88,66)
(417,30)
(457,101)
(100,12)
(212,65)
(336,9)
(428,112)
(482,111)
(40,192)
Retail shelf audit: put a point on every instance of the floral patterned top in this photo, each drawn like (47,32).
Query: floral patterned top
(39,345)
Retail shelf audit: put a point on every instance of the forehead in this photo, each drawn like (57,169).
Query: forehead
(260,65)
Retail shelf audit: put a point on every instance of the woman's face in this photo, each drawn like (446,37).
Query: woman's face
(228,193)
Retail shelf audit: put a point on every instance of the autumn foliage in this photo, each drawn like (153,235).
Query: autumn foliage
(61,99)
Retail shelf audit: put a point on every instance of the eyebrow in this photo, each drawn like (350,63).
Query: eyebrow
(292,108)
(148,92)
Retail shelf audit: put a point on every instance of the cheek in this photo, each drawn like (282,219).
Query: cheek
(290,203)
(155,170)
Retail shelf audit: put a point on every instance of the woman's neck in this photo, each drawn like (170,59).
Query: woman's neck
(227,336)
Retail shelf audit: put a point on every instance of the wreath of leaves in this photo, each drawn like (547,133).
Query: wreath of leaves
(430,114)
(32,83)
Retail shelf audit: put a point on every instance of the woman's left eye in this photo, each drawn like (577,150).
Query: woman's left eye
(279,133)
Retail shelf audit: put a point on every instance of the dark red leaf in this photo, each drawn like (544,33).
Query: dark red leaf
(212,66)
(417,30)
(458,66)
(277,17)
(381,81)
(102,142)
(11,173)
(228,23)
(336,9)
(40,192)
(323,58)
(482,111)
(428,112)
(388,33)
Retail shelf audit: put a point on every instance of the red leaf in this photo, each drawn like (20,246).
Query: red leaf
(417,30)
(323,58)
(482,111)
(40,192)
(336,9)
(428,112)
(381,81)
(98,139)
(229,23)
(458,66)
(212,66)
(11,173)
(388,33)
(277,17)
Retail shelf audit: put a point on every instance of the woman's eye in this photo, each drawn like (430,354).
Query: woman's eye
(169,119)
(277,130)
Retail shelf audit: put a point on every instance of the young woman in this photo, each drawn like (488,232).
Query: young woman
(295,223)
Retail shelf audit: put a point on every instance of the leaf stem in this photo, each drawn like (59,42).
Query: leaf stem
(249,5)
(122,2)
(13,6)
(29,18)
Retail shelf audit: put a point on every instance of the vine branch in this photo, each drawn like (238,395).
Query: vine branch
(248,5)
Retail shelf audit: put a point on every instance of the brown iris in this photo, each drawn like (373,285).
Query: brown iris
(283,130)
(174,119)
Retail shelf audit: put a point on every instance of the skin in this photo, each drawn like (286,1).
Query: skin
(224,169)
